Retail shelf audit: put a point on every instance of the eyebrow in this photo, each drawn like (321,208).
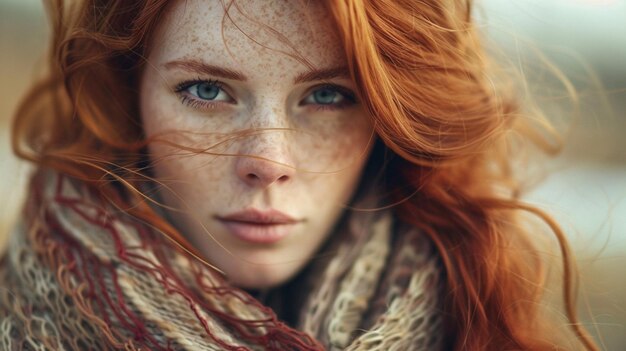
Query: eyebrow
(322,74)
(211,70)
(221,72)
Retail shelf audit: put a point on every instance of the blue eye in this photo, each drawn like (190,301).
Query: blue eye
(203,90)
(327,96)
(330,96)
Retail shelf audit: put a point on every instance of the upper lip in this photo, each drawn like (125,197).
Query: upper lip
(255,216)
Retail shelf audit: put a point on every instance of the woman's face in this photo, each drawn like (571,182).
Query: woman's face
(275,147)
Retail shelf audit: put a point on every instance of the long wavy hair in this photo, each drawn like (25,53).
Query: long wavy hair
(422,74)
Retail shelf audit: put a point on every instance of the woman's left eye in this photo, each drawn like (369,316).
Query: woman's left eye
(329,97)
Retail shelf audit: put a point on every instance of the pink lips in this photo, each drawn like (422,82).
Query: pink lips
(258,227)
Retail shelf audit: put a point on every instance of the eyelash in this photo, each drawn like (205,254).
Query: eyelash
(191,101)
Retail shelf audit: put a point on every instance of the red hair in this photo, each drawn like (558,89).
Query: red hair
(424,78)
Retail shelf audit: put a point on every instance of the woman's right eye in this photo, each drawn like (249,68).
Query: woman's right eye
(202,92)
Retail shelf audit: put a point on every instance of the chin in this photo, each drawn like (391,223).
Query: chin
(261,275)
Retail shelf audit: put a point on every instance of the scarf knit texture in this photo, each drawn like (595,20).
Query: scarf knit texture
(79,274)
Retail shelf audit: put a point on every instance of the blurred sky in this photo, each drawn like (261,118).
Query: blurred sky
(587,40)
(586,190)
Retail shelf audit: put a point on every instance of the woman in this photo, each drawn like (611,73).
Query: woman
(272,175)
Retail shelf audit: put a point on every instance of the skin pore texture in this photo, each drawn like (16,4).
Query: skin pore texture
(260,128)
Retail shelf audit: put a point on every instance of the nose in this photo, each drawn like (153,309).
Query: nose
(265,160)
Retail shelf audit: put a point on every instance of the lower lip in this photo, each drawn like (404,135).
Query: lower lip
(258,233)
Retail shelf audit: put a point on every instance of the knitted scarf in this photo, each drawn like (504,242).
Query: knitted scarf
(79,274)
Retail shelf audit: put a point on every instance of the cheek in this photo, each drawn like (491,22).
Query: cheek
(183,178)
(339,153)
(342,144)
(180,164)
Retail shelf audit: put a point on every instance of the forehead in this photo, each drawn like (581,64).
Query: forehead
(249,33)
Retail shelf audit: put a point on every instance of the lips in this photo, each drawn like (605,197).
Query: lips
(259,227)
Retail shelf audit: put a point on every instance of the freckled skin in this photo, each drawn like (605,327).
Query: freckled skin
(308,171)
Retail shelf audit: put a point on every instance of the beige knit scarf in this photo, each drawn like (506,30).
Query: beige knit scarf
(80,275)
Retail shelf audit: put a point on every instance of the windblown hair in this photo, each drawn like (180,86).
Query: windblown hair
(422,75)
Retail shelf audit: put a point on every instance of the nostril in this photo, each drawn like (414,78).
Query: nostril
(283,178)
(252,176)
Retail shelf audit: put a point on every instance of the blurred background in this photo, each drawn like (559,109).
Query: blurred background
(584,187)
